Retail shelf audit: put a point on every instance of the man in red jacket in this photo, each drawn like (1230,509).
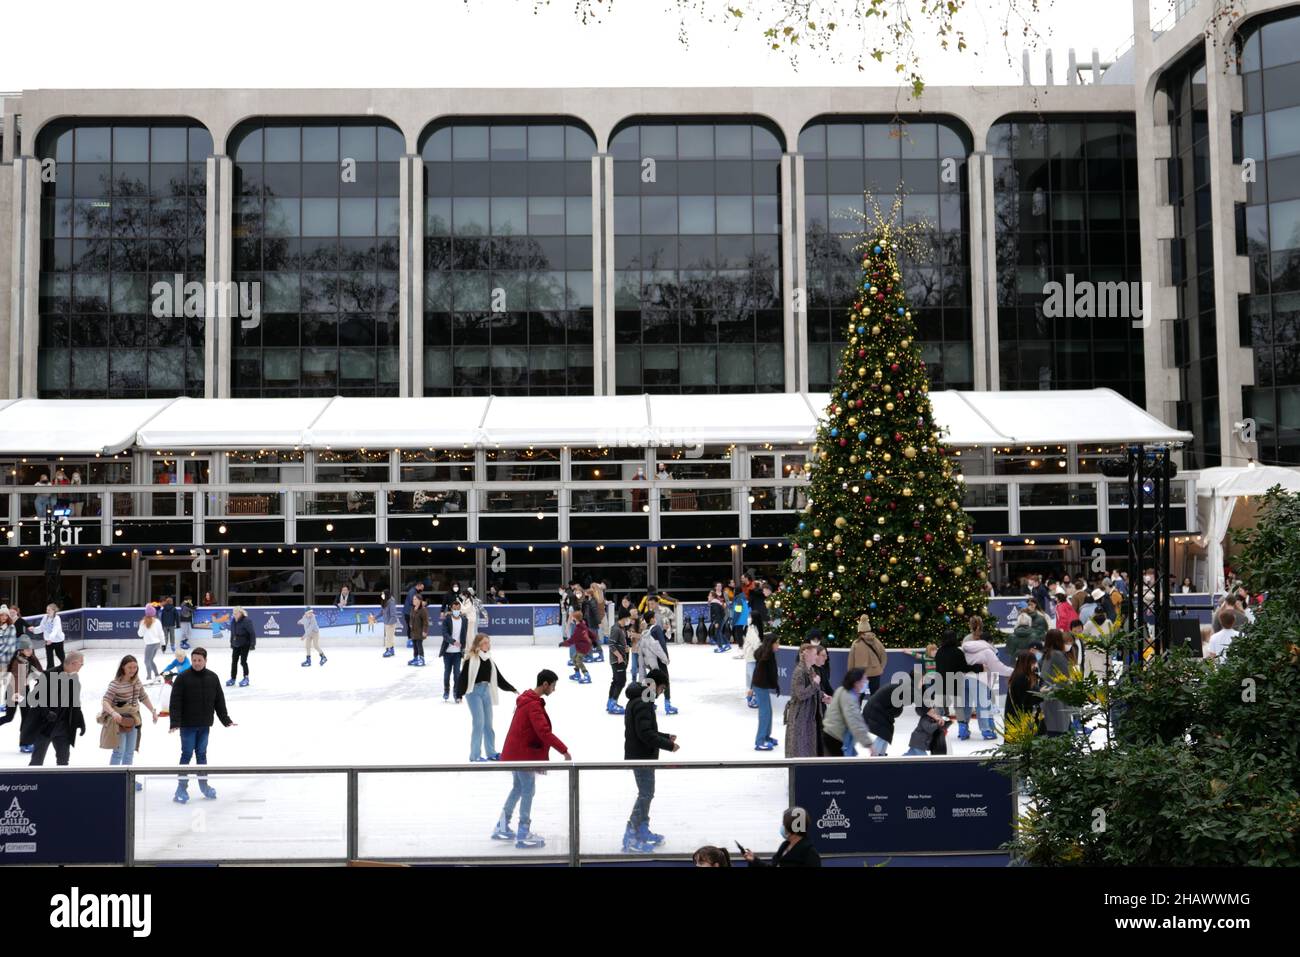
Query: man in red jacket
(529,739)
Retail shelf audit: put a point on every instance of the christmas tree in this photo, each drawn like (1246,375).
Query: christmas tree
(884,533)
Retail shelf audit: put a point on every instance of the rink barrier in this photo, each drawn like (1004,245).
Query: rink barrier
(935,806)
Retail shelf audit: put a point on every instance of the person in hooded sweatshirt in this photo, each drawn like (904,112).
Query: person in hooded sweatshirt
(883,708)
(530,738)
(951,664)
(982,688)
(642,741)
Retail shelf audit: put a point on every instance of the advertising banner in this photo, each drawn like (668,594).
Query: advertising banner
(64,817)
(905,807)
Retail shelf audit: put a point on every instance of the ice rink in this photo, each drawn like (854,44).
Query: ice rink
(362,709)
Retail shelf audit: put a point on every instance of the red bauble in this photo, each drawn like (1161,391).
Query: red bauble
(929,537)
(862,353)
(893,506)
(843,442)
(898,436)
(893,367)
(867,499)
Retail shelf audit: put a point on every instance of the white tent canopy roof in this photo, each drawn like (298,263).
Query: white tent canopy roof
(1235,481)
(73,426)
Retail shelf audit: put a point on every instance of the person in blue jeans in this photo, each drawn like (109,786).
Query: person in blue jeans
(530,738)
(764,686)
(478,684)
(197,696)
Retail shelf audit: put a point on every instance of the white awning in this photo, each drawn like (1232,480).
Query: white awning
(77,426)
(232,424)
(581,420)
(1037,417)
(74,426)
(1236,481)
(392,423)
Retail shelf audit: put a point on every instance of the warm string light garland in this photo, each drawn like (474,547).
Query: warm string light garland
(883,533)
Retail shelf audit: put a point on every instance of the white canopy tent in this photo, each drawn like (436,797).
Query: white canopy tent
(1218,490)
(968,419)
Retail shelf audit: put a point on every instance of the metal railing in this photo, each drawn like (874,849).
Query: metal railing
(347,813)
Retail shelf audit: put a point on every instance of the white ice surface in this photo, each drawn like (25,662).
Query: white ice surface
(361,709)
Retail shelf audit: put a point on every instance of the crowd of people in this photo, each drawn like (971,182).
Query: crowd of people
(956,679)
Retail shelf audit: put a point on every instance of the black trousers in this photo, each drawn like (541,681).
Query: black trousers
(831,746)
(239,656)
(62,747)
(417,647)
(759,622)
(53,648)
(619,680)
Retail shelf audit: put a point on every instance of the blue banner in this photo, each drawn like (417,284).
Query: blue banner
(62,817)
(905,806)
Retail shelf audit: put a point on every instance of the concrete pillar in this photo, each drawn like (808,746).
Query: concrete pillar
(790,337)
(410,309)
(602,321)
(800,253)
(983,270)
(24,273)
(217,254)
(1235,364)
(610,382)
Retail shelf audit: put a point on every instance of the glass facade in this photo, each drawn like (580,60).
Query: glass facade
(845,158)
(123,216)
(508,283)
(697,257)
(1270,314)
(1192,259)
(1066,208)
(316,229)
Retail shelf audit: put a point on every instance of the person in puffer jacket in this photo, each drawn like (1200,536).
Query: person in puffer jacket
(952,667)
(982,688)
(579,643)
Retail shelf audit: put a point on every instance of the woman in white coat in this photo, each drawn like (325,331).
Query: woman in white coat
(983,687)
(151,632)
(51,629)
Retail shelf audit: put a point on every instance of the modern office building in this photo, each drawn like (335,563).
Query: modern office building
(521,297)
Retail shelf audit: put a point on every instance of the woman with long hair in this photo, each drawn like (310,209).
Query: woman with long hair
(719,633)
(1055,666)
(478,683)
(801,710)
(1021,699)
(763,687)
(120,715)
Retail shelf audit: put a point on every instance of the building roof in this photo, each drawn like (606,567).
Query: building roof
(106,426)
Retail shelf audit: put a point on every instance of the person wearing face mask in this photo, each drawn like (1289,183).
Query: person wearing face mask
(796,848)
(455,639)
(453,595)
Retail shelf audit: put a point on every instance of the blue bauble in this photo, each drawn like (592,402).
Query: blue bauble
(901,310)
(876,250)
(866,475)
(844,395)
(872,605)
(947,618)
(803,526)
(835,433)
(862,436)
(861,329)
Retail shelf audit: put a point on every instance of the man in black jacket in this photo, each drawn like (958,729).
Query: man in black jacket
(52,711)
(642,741)
(196,698)
(169,618)
(242,640)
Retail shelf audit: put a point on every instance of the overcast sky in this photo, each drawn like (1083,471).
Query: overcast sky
(428,43)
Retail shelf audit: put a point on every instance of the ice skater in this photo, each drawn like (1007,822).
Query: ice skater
(763,687)
(196,698)
(479,681)
(389,611)
(529,739)
(120,715)
(311,637)
(659,638)
(51,629)
(455,639)
(186,619)
(175,668)
(242,640)
(579,644)
(618,653)
(417,626)
(642,741)
(152,633)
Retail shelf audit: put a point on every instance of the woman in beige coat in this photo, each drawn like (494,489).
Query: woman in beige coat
(868,654)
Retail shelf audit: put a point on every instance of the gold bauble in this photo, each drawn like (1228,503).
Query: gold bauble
(875,330)
(853,421)
(888,457)
(853,459)
(835,596)
(839,470)
(813,566)
(960,535)
(807,593)
(836,612)
(916,616)
(881,520)
(961,609)
(824,456)
(893,560)
(889,356)
(862,370)
(907,493)
(959,571)
(839,540)
(910,451)
(889,407)
(841,521)
(817,533)
(878,441)
(884,579)
(840,569)
(901,539)
(929,580)
(867,543)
